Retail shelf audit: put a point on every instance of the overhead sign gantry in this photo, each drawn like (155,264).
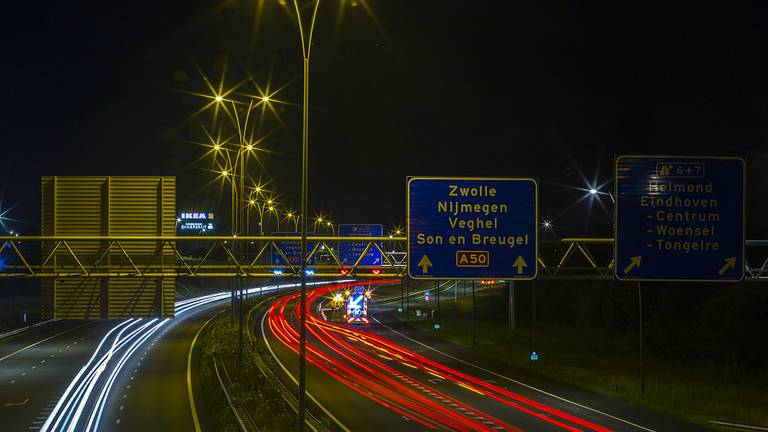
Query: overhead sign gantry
(679,218)
(472,228)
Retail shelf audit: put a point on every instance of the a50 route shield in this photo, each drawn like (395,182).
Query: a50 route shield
(472,228)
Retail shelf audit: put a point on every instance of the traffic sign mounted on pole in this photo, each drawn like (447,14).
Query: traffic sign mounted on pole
(350,251)
(472,228)
(679,218)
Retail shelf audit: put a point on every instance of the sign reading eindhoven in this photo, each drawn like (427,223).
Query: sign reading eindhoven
(472,228)
(679,218)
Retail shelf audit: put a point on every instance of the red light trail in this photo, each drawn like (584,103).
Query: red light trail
(367,364)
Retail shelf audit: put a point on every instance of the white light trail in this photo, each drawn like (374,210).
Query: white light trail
(87,393)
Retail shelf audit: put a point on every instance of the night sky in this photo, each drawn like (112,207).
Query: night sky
(492,88)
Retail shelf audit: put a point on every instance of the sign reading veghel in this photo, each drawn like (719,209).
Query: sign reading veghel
(108,206)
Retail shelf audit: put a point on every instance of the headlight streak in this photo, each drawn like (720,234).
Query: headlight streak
(68,411)
(65,396)
(404,394)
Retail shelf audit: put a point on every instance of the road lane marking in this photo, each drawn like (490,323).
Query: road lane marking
(189,371)
(515,381)
(12,404)
(290,375)
(44,340)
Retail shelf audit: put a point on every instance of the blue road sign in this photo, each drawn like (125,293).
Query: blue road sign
(679,218)
(291,249)
(350,251)
(472,228)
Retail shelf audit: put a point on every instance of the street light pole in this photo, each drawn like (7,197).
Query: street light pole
(305,48)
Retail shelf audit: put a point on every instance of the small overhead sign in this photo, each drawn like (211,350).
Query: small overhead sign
(291,249)
(350,251)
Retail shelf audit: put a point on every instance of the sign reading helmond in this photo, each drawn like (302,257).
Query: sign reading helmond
(679,218)
(472,228)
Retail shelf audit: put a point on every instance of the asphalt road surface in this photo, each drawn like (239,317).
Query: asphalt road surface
(388,376)
(37,365)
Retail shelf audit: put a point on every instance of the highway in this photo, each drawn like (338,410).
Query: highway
(37,365)
(136,374)
(407,380)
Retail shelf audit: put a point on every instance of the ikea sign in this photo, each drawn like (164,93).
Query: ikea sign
(195,222)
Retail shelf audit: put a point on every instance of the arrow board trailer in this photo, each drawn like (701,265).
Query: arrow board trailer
(356,311)
(472,228)
(679,218)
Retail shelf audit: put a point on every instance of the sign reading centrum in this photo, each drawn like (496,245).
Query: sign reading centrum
(679,218)
(472,228)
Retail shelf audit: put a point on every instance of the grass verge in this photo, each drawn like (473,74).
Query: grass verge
(607,363)
(250,389)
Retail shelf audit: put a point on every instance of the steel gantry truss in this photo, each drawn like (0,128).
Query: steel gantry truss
(219,256)
(222,257)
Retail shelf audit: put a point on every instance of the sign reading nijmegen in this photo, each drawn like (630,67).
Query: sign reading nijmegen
(472,228)
(679,218)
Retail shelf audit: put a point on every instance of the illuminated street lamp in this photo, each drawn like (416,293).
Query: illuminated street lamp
(291,216)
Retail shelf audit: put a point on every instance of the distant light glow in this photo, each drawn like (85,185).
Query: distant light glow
(219,98)
(593,191)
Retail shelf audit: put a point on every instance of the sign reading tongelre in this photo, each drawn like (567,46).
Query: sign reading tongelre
(679,218)
(472,228)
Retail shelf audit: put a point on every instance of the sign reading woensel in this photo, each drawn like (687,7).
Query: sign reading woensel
(472,228)
(679,218)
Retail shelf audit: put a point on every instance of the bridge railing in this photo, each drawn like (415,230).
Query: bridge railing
(268,256)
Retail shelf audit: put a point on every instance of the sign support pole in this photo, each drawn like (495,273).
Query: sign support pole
(402,296)
(437,288)
(473,313)
(408,297)
(240,338)
(534,315)
(511,289)
(642,364)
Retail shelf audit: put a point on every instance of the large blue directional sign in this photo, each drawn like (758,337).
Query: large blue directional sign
(679,218)
(472,228)
(291,249)
(349,252)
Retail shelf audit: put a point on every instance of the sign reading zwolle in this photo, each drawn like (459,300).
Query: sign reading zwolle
(679,218)
(472,228)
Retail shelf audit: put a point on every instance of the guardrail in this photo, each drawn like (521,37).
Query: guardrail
(255,256)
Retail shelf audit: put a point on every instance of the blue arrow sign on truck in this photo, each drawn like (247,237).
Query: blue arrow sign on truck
(472,228)
(679,218)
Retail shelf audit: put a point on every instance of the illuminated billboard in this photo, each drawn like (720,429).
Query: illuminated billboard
(195,222)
